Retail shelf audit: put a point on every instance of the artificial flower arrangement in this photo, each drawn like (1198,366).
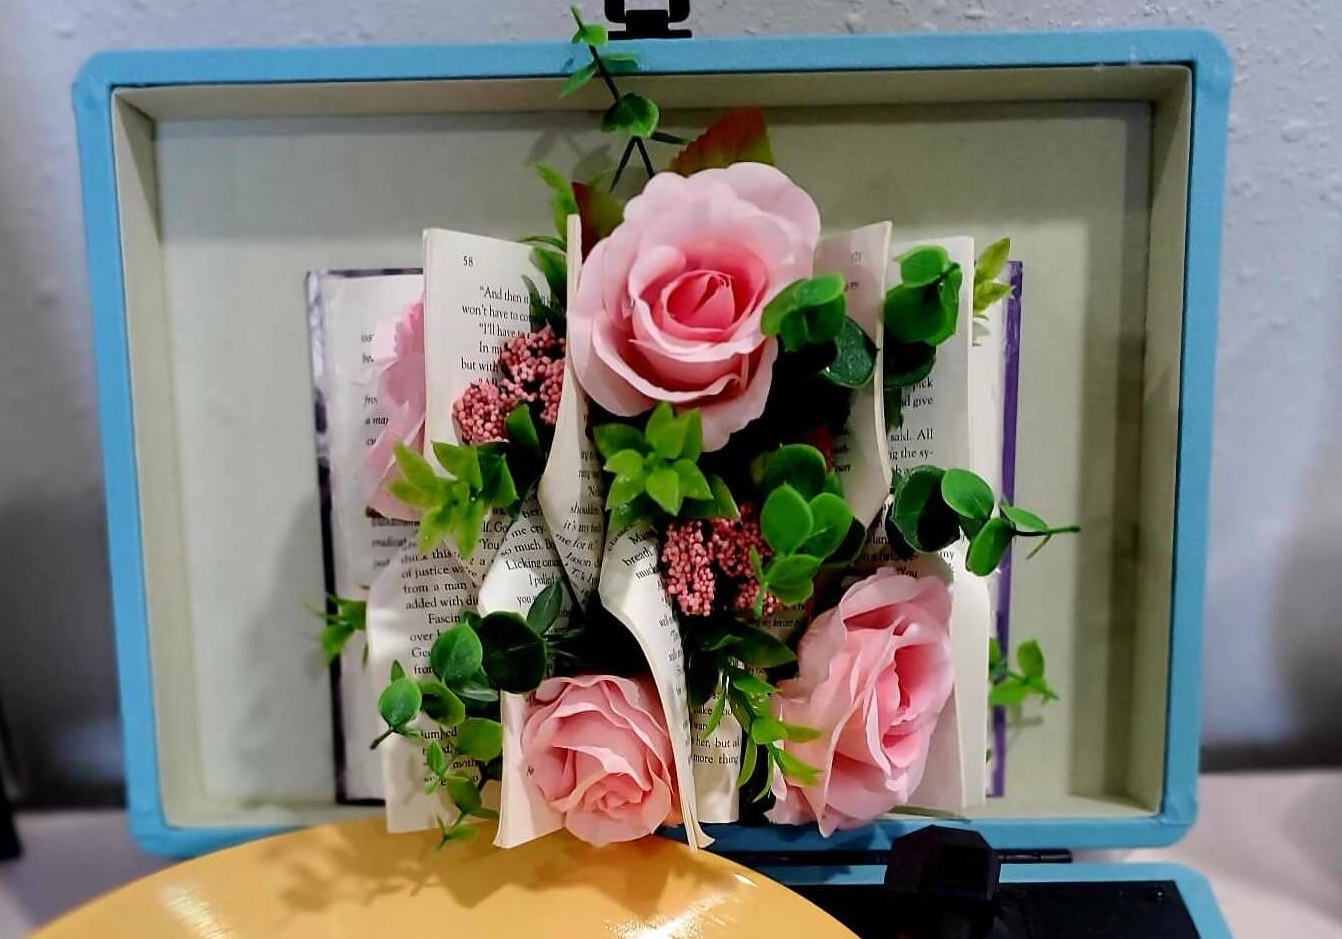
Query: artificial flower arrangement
(687,451)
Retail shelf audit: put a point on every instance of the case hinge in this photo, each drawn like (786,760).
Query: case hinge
(649,23)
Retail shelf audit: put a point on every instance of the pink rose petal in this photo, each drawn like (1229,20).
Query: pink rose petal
(668,306)
(874,674)
(600,754)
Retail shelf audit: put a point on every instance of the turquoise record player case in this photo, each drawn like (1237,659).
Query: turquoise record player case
(213,179)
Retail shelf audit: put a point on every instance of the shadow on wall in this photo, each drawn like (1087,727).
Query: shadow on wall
(1305,651)
(57,658)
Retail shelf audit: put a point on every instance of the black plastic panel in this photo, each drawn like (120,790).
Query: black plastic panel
(1100,910)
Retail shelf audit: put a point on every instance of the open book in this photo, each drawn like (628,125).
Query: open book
(476,297)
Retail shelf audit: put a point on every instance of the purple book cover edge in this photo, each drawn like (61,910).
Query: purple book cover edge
(1010,394)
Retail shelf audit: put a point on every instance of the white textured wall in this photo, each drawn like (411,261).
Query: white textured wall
(1274,643)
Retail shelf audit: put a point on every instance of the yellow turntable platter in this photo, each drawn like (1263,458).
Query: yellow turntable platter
(355,881)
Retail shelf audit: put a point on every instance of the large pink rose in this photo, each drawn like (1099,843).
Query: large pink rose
(668,306)
(599,752)
(398,358)
(874,675)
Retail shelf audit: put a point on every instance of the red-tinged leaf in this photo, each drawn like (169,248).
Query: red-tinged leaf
(737,137)
(600,212)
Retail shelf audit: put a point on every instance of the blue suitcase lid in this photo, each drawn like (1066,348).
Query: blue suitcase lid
(1205,110)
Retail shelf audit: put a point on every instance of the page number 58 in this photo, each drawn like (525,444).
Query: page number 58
(467,261)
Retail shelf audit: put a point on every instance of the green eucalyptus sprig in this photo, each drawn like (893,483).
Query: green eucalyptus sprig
(1012,688)
(805,521)
(630,114)
(748,697)
(920,314)
(656,471)
(455,505)
(932,507)
(812,315)
(468,665)
(343,619)
(987,268)
(733,656)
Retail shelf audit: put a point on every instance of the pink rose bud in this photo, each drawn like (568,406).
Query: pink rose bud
(599,752)
(874,675)
(668,306)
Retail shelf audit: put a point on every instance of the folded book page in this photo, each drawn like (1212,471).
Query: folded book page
(475,300)
(935,429)
(345,309)
(631,589)
(525,565)
(860,459)
(572,491)
(412,601)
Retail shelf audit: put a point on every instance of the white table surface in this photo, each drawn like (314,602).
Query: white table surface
(1271,844)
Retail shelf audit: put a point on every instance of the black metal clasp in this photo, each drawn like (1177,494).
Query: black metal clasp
(942,884)
(649,22)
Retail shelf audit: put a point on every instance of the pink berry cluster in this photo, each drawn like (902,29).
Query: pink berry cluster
(533,370)
(702,560)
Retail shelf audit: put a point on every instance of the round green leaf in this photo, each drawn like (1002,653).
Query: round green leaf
(819,291)
(547,606)
(1010,692)
(830,521)
(480,739)
(1030,657)
(791,572)
(854,357)
(441,703)
(968,494)
(399,702)
(792,594)
(760,649)
(785,520)
(632,114)
(948,297)
(921,515)
(923,265)
(1022,519)
(591,34)
(907,363)
(464,793)
(780,307)
(799,465)
(988,547)
(514,655)
(436,758)
(578,79)
(824,322)
(456,654)
(914,314)
(795,333)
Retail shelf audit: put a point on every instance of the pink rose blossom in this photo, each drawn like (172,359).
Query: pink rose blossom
(668,306)
(874,675)
(599,752)
(398,357)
